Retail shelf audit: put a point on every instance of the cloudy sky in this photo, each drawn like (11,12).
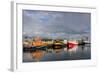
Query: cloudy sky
(37,22)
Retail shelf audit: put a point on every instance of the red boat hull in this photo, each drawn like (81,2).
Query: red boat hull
(71,45)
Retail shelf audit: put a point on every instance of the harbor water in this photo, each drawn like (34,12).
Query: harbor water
(78,52)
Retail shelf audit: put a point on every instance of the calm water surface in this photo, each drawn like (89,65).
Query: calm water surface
(76,53)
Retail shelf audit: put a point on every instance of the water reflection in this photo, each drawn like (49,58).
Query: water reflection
(76,52)
(71,50)
(37,55)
